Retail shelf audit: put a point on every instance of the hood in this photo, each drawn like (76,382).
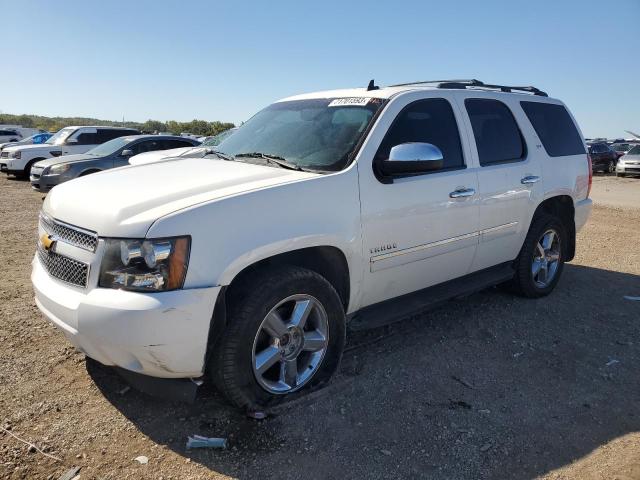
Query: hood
(630,158)
(65,159)
(148,157)
(33,147)
(124,202)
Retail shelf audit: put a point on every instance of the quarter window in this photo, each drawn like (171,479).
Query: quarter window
(555,128)
(426,121)
(498,138)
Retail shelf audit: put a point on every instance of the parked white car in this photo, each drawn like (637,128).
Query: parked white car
(208,144)
(18,160)
(359,205)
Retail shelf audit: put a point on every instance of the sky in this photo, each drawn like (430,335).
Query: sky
(180,60)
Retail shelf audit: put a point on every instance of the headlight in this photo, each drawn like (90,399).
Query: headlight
(17,154)
(59,168)
(153,265)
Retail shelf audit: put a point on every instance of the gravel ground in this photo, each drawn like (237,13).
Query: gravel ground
(489,386)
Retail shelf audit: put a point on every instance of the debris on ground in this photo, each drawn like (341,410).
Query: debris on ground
(462,381)
(633,299)
(613,361)
(142,460)
(70,474)
(197,441)
(385,452)
(256,414)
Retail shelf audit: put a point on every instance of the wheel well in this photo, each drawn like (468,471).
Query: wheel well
(562,207)
(27,167)
(329,262)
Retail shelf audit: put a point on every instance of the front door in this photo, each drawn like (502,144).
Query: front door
(418,230)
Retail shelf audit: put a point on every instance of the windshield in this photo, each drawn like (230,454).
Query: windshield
(60,136)
(107,148)
(318,134)
(634,151)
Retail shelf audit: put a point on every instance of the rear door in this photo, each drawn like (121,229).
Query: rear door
(509,175)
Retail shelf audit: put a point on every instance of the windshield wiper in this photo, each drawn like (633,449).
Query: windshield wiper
(223,156)
(274,159)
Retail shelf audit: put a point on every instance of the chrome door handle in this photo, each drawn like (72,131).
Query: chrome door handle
(529,180)
(462,192)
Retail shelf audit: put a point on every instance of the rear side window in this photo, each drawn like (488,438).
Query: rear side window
(496,132)
(556,129)
(87,138)
(427,121)
(106,134)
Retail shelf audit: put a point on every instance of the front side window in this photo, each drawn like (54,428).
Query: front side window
(87,138)
(498,138)
(555,128)
(110,147)
(426,121)
(316,134)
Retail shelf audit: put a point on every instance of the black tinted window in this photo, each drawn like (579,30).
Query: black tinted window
(497,135)
(145,146)
(556,129)
(427,121)
(87,138)
(106,134)
(176,144)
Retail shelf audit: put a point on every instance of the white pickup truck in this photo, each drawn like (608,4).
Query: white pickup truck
(360,205)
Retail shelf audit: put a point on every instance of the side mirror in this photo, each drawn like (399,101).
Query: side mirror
(412,158)
(72,141)
(126,153)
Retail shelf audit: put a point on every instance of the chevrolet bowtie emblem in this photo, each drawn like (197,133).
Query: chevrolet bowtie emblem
(47,242)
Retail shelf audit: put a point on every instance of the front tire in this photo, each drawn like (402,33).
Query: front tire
(285,333)
(541,260)
(612,166)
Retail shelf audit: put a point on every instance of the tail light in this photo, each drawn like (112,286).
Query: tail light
(590,164)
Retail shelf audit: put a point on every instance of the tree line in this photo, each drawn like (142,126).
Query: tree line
(53,124)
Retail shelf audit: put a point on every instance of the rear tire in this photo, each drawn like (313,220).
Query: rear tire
(264,356)
(620,174)
(541,260)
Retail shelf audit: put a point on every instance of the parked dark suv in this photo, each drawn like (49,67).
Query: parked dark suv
(603,157)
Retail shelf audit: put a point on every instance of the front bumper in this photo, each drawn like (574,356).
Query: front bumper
(158,334)
(44,183)
(628,168)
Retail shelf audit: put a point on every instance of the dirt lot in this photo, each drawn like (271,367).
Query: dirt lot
(489,386)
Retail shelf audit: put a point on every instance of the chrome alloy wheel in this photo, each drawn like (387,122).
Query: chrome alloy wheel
(546,259)
(290,344)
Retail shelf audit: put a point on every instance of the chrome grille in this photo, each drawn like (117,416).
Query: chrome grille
(4,155)
(64,268)
(75,236)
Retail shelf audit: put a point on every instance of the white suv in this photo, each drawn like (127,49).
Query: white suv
(17,160)
(323,209)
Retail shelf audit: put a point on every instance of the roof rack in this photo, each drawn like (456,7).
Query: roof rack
(473,83)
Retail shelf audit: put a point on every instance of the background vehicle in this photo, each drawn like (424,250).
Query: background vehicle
(621,148)
(199,150)
(359,205)
(629,164)
(10,135)
(36,139)
(46,174)
(67,141)
(603,157)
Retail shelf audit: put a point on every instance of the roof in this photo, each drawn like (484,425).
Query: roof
(131,138)
(100,126)
(387,92)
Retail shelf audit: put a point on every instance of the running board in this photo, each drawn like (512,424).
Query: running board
(399,308)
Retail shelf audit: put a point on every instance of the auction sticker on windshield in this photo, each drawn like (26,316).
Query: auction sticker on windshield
(349,102)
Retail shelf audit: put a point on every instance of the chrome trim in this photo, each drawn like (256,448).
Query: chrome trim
(49,225)
(462,192)
(425,246)
(530,179)
(498,227)
(439,243)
